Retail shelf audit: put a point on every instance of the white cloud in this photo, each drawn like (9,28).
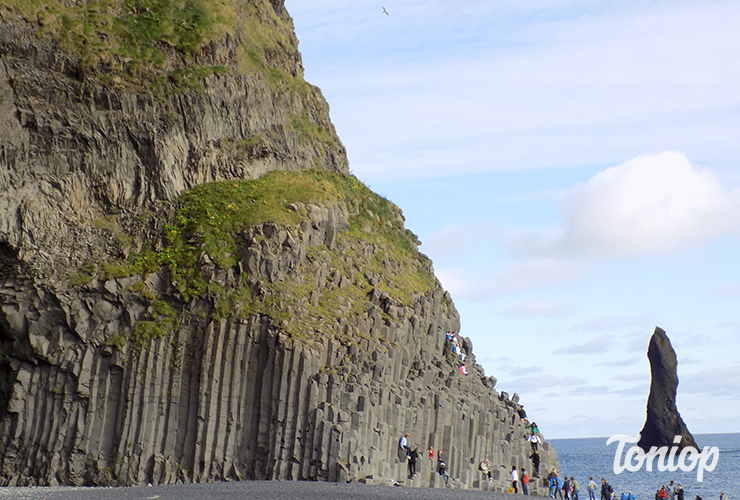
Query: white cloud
(650,205)
(542,308)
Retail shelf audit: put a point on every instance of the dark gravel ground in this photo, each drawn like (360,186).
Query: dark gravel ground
(261,490)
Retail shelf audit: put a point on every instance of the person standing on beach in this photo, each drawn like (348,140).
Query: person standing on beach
(671,490)
(574,485)
(552,483)
(679,492)
(606,490)
(722,496)
(514,479)
(566,488)
(525,482)
(558,486)
(591,488)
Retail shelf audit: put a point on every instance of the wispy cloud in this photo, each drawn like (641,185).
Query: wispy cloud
(513,277)
(598,344)
(729,290)
(618,363)
(723,380)
(456,239)
(608,323)
(544,381)
(541,308)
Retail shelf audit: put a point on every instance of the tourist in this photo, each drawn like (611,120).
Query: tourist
(566,488)
(514,478)
(671,490)
(606,490)
(525,481)
(630,496)
(483,467)
(722,496)
(534,441)
(521,412)
(430,452)
(576,488)
(679,492)
(442,468)
(558,486)
(533,428)
(535,463)
(624,496)
(404,444)
(662,493)
(552,483)
(591,488)
(413,456)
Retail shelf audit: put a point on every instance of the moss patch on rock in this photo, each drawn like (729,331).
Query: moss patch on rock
(375,255)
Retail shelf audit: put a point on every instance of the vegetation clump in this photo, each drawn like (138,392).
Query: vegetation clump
(214,219)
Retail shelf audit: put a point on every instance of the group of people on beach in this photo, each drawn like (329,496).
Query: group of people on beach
(669,492)
(565,487)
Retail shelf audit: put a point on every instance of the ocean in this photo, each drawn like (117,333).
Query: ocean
(586,457)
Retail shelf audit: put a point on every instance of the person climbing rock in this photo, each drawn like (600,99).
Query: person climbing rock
(430,453)
(536,463)
(442,468)
(534,441)
(404,444)
(413,457)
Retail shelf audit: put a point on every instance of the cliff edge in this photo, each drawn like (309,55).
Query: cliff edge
(193,287)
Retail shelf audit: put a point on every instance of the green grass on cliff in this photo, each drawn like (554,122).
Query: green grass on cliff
(213,214)
(212,218)
(156,43)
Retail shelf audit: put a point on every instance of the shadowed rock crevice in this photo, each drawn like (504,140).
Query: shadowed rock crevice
(663,421)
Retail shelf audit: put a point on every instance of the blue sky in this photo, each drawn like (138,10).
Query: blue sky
(573,170)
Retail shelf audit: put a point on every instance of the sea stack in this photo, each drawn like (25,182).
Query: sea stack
(663,421)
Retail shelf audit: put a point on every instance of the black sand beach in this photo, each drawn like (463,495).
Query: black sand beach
(262,490)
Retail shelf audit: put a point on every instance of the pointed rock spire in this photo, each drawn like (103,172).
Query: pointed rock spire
(663,421)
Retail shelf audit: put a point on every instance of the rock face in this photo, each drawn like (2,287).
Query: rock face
(118,374)
(663,421)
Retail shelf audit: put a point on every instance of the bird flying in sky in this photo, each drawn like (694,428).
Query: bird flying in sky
(385,12)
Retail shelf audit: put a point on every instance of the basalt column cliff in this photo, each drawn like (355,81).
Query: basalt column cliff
(192,286)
